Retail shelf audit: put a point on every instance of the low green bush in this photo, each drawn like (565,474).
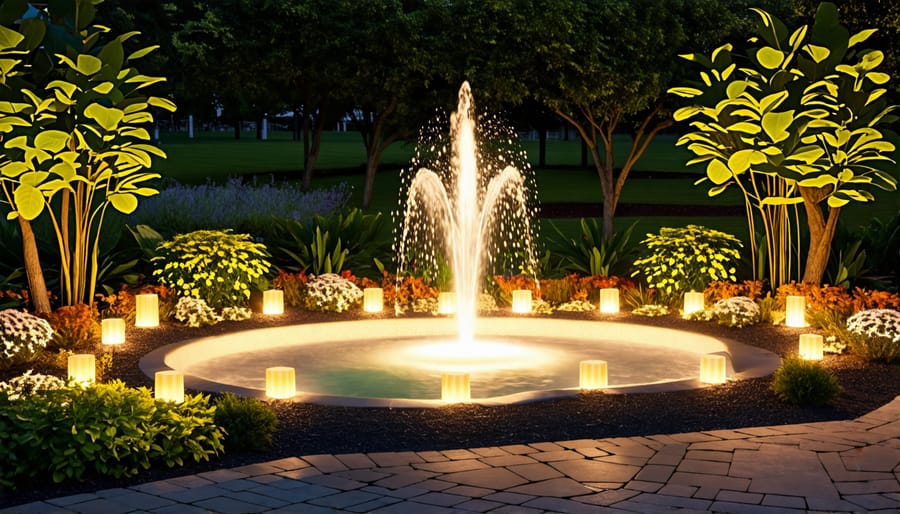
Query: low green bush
(803,382)
(216,266)
(100,430)
(248,423)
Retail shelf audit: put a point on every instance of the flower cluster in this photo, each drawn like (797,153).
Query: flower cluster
(651,310)
(28,384)
(236,313)
(194,312)
(576,306)
(218,266)
(331,292)
(876,323)
(22,336)
(735,312)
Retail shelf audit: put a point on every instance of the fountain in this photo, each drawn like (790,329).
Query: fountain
(466,206)
(468,209)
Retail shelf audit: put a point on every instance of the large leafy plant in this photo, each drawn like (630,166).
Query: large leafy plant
(593,254)
(803,122)
(75,142)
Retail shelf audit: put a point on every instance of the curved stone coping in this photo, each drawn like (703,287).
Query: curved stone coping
(744,361)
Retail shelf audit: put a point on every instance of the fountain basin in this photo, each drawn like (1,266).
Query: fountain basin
(398,362)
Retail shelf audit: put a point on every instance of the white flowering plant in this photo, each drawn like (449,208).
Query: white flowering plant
(651,310)
(194,312)
(877,334)
(576,306)
(735,312)
(215,265)
(331,293)
(22,336)
(236,313)
(29,383)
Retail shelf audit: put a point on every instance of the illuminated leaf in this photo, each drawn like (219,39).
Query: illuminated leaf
(776,125)
(820,181)
(686,92)
(142,52)
(106,117)
(123,202)
(88,64)
(29,201)
(717,172)
(817,53)
(860,36)
(770,58)
(51,140)
(781,200)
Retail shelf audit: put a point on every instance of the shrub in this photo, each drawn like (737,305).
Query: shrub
(104,430)
(74,326)
(557,291)
(118,305)
(330,292)
(802,382)
(405,292)
(506,285)
(864,299)
(735,312)
(834,298)
(28,384)
(591,253)
(22,336)
(879,334)
(248,423)
(722,289)
(294,286)
(194,312)
(689,258)
(216,266)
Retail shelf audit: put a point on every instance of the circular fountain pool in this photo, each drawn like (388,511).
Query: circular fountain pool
(399,362)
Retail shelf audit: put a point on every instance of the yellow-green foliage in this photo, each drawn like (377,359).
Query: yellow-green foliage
(214,265)
(682,259)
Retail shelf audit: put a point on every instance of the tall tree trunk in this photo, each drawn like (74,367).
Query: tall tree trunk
(371,170)
(821,234)
(313,155)
(37,288)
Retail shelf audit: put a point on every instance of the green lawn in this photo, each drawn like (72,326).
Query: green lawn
(217,155)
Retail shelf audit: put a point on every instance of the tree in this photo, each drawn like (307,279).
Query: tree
(74,142)
(802,123)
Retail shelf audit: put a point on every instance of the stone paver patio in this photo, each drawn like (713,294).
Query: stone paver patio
(841,466)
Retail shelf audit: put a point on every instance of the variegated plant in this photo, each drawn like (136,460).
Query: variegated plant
(801,124)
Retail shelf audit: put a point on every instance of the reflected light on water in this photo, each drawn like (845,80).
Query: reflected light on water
(470,356)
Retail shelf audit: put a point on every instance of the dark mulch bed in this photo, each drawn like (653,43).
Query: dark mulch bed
(312,429)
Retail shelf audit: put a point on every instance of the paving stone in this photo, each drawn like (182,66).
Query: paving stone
(596,471)
(435,485)
(557,456)
(669,455)
(137,500)
(262,468)
(507,460)
(415,508)
(567,506)
(100,506)
(518,449)
(710,482)
(672,501)
(516,509)
(403,492)
(535,472)
(470,491)
(694,437)
(334,482)
(288,463)
(491,478)
(362,475)
(300,473)
(739,497)
(783,470)
(607,498)
(868,487)
(726,434)
(729,445)
(258,499)
(703,466)
(640,485)
(35,508)
(158,488)
(546,447)
(603,486)
(345,499)
(677,490)
(404,479)
(441,499)
(655,473)
(305,508)
(491,451)
(624,446)
(713,455)
(240,484)
(356,460)
(823,446)
(478,505)
(325,463)
(761,431)
(873,501)
(836,470)
(301,493)
(180,509)
(221,475)
(195,494)
(829,504)
(555,487)
(387,459)
(575,444)
(452,466)
(744,508)
(377,503)
(777,500)
(592,452)
(223,505)
(509,498)
(432,456)
(73,499)
(460,454)
(871,458)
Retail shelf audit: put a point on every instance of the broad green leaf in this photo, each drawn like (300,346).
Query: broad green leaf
(687,112)
(817,53)
(65,170)
(860,36)
(741,160)
(145,81)
(11,215)
(807,154)
(846,69)
(735,89)
(797,37)
(846,175)
(820,181)
(33,178)
(138,117)
(162,103)
(835,203)
(88,64)
(686,92)
(770,58)
(776,125)
(13,169)
(871,60)
(29,201)
(67,87)
(728,71)
(875,95)
(51,140)
(106,117)
(135,107)
(878,77)
(103,88)
(123,202)
(9,38)
(744,127)
(726,48)
(717,190)
(142,52)
(138,133)
(772,101)
(717,172)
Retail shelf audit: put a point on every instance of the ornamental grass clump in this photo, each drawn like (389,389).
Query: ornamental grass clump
(803,382)
(22,337)
(216,266)
(877,334)
(685,259)
(331,293)
(735,312)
